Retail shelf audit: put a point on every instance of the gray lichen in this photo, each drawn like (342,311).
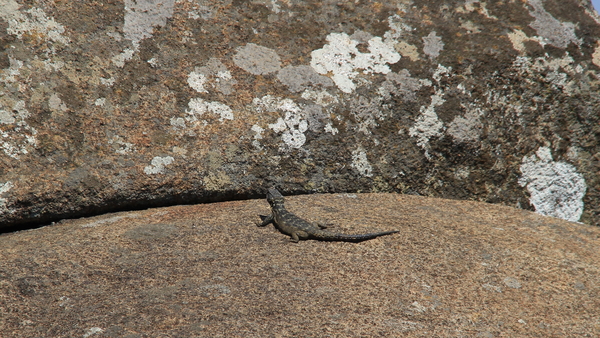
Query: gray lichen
(298,78)
(257,60)
(554,32)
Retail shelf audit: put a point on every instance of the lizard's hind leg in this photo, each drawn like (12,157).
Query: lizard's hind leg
(299,235)
(294,238)
(321,225)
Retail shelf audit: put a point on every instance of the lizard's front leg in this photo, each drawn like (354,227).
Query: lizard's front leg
(265,220)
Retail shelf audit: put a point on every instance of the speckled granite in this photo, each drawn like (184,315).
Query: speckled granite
(456,269)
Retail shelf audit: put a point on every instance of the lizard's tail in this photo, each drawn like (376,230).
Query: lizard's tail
(330,236)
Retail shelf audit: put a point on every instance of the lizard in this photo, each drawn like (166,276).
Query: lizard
(300,229)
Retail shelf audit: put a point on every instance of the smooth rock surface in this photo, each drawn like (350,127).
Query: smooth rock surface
(120,105)
(456,269)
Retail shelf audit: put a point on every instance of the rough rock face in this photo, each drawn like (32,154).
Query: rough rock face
(456,269)
(115,105)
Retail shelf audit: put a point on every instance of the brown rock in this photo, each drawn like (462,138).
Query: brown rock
(120,105)
(456,269)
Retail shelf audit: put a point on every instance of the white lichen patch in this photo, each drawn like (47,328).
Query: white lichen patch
(51,65)
(108,82)
(556,71)
(556,188)
(196,80)
(257,136)
(467,128)
(56,104)
(198,107)
(158,164)
(461,172)
(552,30)
(6,117)
(273,5)
(401,84)
(4,188)
(393,37)
(212,76)
(470,27)
(224,75)
(361,163)
(17,137)
(142,15)
(100,102)
(121,147)
(120,59)
(153,62)
(440,72)
(479,7)
(573,153)
(432,45)
(201,12)
(115,35)
(9,75)
(322,98)
(31,22)
(397,29)
(178,122)
(292,126)
(257,60)
(428,124)
(341,57)
(331,129)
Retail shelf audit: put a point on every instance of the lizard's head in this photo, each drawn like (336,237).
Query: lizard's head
(274,196)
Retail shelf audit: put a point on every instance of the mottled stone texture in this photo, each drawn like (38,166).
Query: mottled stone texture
(112,105)
(456,269)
